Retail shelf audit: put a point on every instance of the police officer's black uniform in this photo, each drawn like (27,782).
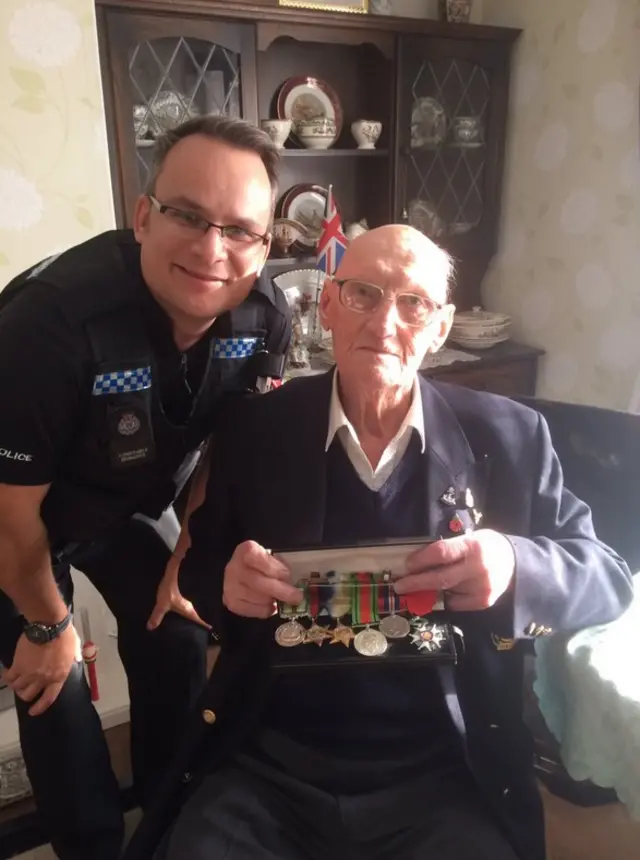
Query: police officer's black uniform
(97,400)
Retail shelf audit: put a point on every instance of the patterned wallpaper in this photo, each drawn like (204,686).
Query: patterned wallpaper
(569,260)
(55,188)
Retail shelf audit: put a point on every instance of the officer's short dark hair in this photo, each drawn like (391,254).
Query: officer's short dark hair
(233,131)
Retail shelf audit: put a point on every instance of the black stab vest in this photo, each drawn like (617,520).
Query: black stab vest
(127,456)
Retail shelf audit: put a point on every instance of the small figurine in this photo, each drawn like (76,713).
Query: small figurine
(357,228)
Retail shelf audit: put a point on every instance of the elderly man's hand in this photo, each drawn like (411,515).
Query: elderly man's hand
(254,580)
(474,569)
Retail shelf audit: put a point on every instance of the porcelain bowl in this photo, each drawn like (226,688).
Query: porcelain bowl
(478,329)
(277,129)
(317,133)
(366,132)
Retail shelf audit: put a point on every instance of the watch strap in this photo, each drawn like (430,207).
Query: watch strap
(40,633)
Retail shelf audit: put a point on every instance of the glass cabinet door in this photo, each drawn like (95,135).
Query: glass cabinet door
(174,79)
(446,141)
(164,74)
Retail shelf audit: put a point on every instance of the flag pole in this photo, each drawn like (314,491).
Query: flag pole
(316,331)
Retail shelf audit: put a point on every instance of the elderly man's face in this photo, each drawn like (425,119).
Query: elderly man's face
(196,274)
(379,347)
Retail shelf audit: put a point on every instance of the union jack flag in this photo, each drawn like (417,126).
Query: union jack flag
(332,243)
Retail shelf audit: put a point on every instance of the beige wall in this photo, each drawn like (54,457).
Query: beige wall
(54,175)
(570,242)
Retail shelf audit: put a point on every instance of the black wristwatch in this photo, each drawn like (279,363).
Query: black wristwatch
(40,634)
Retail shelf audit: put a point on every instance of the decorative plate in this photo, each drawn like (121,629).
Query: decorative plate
(306,204)
(307,98)
(428,123)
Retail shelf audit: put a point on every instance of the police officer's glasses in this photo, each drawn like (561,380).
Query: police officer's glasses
(234,237)
(363,298)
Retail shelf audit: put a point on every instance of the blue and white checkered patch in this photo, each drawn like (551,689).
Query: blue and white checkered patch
(122,381)
(236,347)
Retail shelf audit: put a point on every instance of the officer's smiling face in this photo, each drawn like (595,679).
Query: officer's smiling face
(195,275)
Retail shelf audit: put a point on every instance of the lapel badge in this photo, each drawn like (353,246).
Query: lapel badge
(468,498)
(501,643)
(456,525)
(449,497)
(477,516)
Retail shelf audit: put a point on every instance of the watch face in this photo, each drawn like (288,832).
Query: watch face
(37,634)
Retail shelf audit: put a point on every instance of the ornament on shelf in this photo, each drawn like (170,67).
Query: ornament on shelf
(286,232)
(456,11)
(356,228)
(380,7)
(366,132)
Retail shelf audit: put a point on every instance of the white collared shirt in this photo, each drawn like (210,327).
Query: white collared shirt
(340,425)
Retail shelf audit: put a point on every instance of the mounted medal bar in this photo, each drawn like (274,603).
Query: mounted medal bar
(350,602)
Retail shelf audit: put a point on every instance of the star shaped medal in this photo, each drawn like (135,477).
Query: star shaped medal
(427,637)
(342,635)
(317,634)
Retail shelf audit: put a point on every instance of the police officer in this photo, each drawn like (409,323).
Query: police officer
(115,359)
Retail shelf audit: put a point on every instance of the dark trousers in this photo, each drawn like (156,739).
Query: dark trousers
(250,810)
(64,749)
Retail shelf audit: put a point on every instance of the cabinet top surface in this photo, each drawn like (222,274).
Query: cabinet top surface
(502,354)
(270,11)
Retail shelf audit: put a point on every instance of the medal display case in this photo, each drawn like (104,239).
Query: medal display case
(405,120)
(349,601)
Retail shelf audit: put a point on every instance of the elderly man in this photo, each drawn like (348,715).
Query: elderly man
(400,762)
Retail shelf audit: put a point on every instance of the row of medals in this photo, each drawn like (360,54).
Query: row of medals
(369,642)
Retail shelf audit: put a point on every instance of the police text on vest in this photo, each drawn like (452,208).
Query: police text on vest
(15,455)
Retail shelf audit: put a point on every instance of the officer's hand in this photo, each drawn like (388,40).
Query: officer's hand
(41,670)
(473,570)
(254,580)
(170,599)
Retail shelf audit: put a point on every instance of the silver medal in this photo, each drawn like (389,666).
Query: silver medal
(395,627)
(370,643)
(289,634)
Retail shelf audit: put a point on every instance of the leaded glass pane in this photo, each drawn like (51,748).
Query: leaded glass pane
(176,78)
(447,152)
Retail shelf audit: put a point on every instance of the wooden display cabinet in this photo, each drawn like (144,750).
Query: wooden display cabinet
(199,56)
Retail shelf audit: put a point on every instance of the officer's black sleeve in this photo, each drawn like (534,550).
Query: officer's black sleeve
(42,361)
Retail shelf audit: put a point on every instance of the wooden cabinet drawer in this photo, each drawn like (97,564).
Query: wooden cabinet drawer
(515,377)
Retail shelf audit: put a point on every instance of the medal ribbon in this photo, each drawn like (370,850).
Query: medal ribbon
(388,601)
(325,596)
(288,610)
(314,595)
(421,602)
(341,599)
(364,607)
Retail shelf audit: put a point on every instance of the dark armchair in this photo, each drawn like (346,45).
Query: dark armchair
(599,450)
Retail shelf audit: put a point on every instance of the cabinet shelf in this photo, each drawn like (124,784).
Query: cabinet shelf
(305,262)
(326,153)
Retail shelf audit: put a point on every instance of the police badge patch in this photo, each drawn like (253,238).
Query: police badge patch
(129,424)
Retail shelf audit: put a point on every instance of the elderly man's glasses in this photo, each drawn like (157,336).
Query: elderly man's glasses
(234,238)
(363,298)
